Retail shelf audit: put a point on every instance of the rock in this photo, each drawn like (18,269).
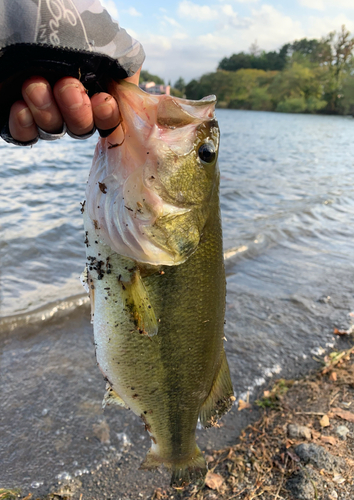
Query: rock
(305,484)
(342,431)
(299,431)
(319,457)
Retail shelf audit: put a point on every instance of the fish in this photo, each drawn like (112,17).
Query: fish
(155,273)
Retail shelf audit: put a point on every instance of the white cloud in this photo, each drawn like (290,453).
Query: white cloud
(190,10)
(313,4)
(111,7)
(172,21)
(133,12)
(241,1)
(321,26)
(323,4)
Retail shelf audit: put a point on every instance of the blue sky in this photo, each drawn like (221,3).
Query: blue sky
(189,37)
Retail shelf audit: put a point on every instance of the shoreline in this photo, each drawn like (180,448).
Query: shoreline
(285,450)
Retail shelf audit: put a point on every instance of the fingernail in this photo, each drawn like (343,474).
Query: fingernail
(71,96)
(25,118)
(39,94)
(105,110)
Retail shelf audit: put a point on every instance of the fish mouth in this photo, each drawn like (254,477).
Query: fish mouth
(136,187)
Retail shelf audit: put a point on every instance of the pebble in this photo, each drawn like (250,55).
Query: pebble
(342,431)
(299,431)
(319,457)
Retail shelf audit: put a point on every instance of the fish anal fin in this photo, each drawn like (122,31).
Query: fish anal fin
(221,396)
(112,398)
(140,308)
(191,471)
(151,461)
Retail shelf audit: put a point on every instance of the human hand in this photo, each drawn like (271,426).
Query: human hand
(67,103)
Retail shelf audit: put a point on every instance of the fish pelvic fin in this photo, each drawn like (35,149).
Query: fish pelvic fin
(192,470)
(112,398)
(221,396)
(138,303)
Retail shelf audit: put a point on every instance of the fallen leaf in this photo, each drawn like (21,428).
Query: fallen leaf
(344,414)
(339,479)
(324,422)
(243,405)
(329,439)
(340,332)
(213,481)
(293,455)
(209,458)
(333,376)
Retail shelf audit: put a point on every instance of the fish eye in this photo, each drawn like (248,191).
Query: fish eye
(207,153)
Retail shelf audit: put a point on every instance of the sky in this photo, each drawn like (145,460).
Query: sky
(188,38)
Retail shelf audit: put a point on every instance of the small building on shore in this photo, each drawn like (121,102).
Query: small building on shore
(155,88)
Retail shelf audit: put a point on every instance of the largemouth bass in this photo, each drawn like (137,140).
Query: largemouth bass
(155,273)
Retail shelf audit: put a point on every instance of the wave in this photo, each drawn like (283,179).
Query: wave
(53,310)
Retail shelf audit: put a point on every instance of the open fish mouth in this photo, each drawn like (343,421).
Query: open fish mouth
(138,187)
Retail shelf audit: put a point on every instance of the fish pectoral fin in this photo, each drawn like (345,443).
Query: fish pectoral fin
(221,396)
(138,303)
(112,398)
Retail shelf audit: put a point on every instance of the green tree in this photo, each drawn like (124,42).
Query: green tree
(145,76)
(180,84)
(297,89)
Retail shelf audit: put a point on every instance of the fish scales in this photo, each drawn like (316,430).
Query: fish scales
(159,328)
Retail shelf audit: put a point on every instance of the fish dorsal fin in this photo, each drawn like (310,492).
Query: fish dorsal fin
(220,398)
(112,398)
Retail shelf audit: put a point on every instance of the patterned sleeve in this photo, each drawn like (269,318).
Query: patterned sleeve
(83,27)
(56,38)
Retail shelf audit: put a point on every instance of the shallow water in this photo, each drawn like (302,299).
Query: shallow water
(287,199)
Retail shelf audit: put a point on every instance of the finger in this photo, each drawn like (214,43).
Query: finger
(74,104)
(38,96)
(21,123)
(105,111)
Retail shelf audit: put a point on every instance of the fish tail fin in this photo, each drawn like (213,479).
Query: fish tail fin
(193,470)
(221,396)
(183,473)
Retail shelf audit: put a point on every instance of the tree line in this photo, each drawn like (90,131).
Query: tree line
(308,75)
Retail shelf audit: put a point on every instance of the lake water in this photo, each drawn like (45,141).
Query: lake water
(287,200)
